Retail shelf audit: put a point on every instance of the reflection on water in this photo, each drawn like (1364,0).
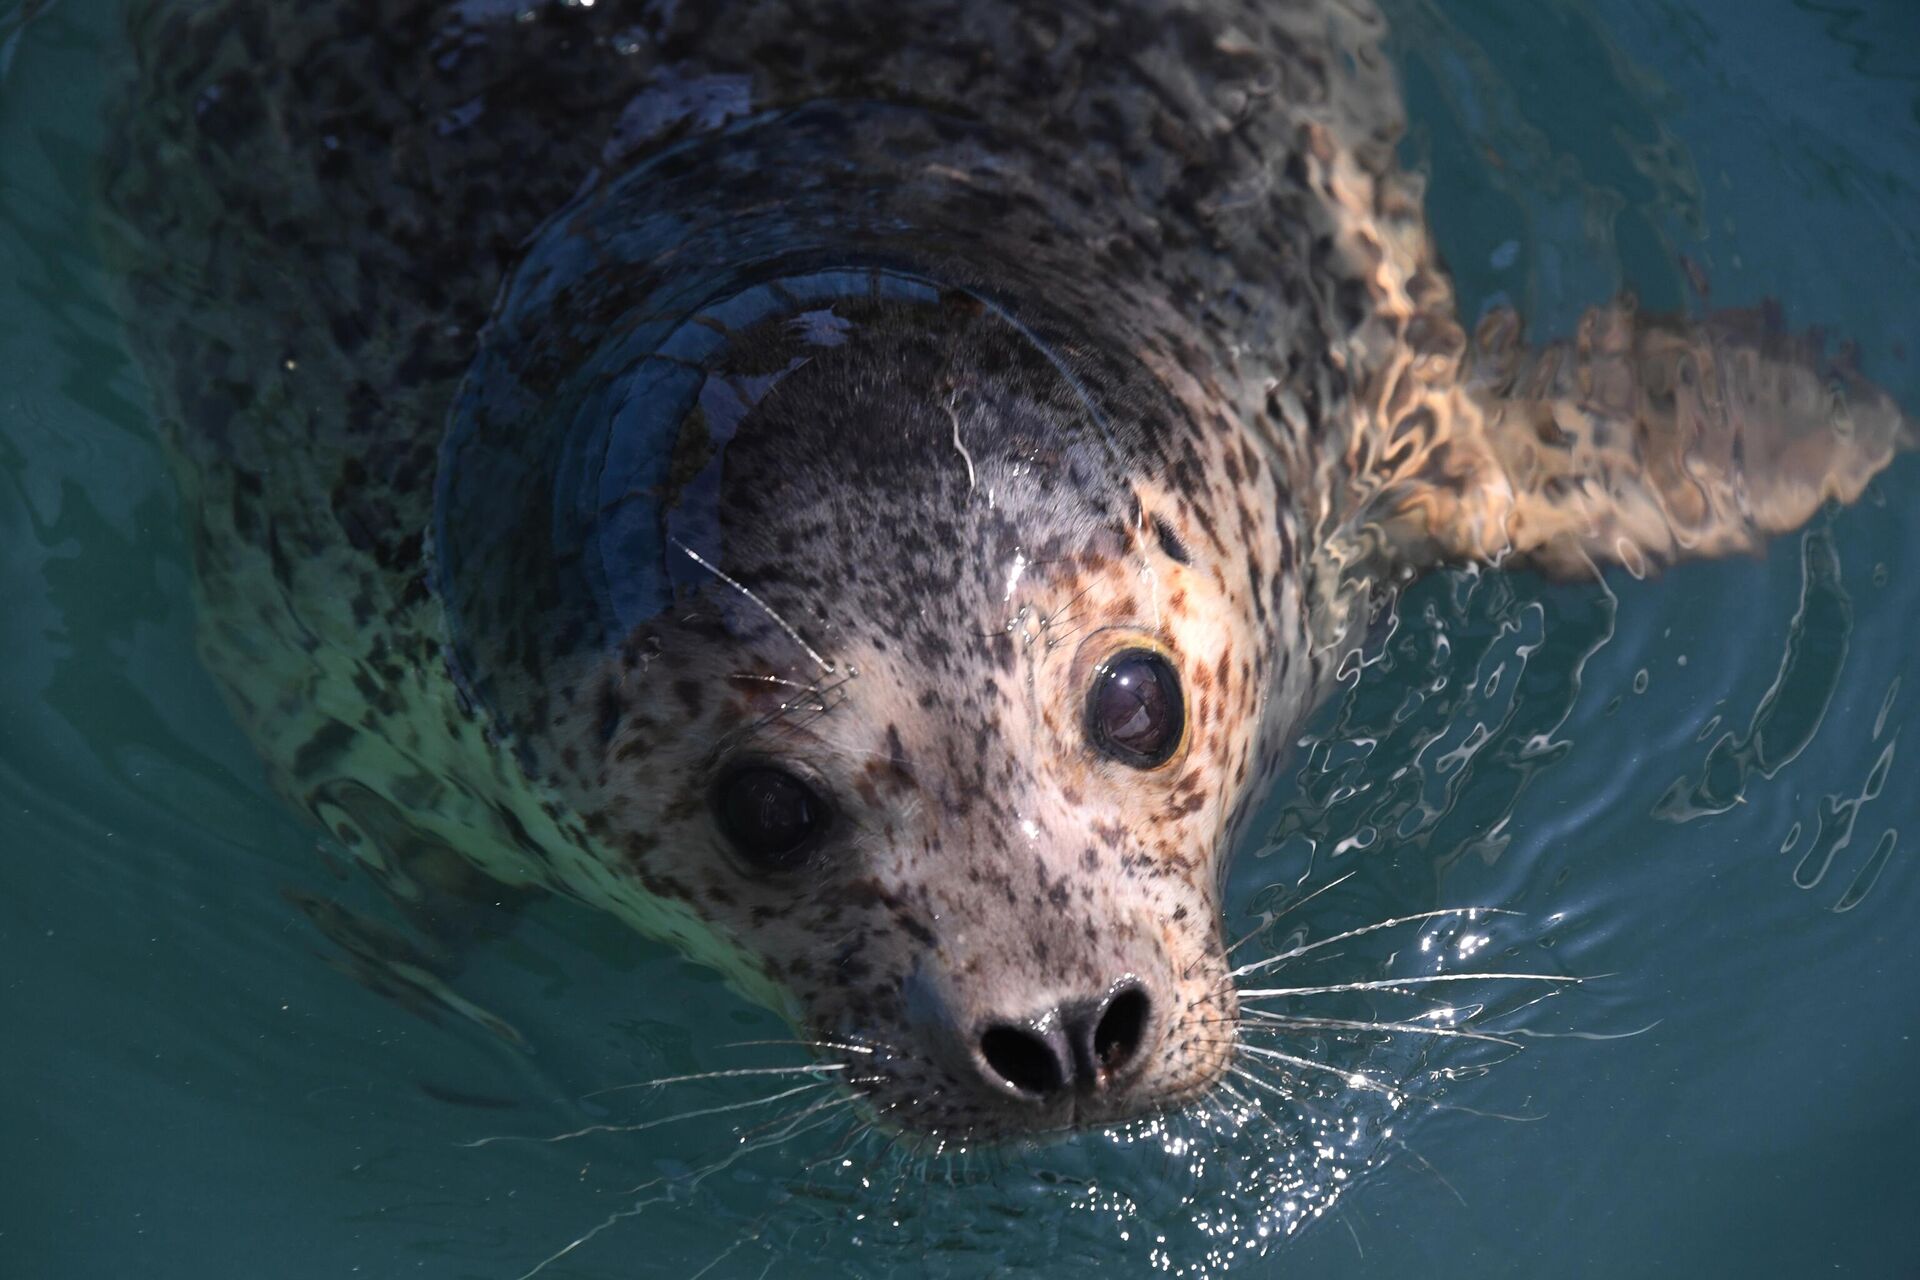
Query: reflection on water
(1686,792)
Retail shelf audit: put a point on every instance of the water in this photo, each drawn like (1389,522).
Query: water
(1714,810)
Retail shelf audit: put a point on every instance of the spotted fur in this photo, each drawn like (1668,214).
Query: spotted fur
(1275,415)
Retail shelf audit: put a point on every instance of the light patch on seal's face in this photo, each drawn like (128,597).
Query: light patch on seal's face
(984,848)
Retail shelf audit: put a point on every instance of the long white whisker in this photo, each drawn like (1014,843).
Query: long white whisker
(1268,923)
(618,1215)
(804,1069)
(1281,914)
(848,1140)
(1376,927)
(644,1125)
(1280,1022)
(765,608)
(1585,1035)
(1259,1083)
(753,1136)
(1356,1079)
(640,1206)
(1334,883)
(841,1046)
(756,678)
(1395,984)
(1346,1220)
(1428,1166)
(729,1251)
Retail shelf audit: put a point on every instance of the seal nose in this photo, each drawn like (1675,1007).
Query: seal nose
(1081,1046)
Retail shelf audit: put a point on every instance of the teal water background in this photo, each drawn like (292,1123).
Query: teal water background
(1697,785)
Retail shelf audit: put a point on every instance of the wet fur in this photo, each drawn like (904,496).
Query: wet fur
(317,207)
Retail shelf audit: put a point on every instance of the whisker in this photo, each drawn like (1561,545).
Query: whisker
(742,677)
(640,1206)
(1396,984)
(752,1234)
(1234,1093)
(1360,1080)
(747,1136)
(1260,1083)
(1055,640)
(1585,1035)
(1252,1104)
(765,608)
(1211,1101)
(617,1216)
(785,716)
(1465,1110)
(730,1073)
(1346,1220)
(855,1132)
(1334,883)
(644,1125)
(1279,1131)
(840,1046)
(1278,1022)
(1355,1079)
(1302,950)
(1428,1166)
(1249,936)
(1269,922)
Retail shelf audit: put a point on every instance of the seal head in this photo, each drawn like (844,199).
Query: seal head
(833,593)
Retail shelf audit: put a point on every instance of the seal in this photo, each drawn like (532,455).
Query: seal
(866,493)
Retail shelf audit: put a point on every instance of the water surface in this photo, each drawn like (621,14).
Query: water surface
(1696,786)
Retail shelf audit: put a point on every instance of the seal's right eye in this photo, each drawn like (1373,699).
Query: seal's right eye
(772,818)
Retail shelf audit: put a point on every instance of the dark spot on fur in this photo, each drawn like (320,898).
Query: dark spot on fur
(608,712)
(691,696)
(327,742)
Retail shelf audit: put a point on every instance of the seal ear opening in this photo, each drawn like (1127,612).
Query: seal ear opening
(1170,541)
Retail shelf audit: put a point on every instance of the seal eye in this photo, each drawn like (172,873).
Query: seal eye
(1134,712)
(772,818)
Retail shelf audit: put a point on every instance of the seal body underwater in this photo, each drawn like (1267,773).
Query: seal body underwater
(866,492)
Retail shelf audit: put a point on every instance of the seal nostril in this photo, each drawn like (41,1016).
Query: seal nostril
(1028,1062)
(1083,1046)
(1122,1027)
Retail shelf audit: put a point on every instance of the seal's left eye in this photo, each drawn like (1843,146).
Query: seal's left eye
(772,818)
(1134,712)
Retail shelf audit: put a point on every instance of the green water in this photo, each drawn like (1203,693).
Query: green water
(1696,786)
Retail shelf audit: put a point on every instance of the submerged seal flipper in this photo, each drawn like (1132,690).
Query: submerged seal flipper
(1641,441)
